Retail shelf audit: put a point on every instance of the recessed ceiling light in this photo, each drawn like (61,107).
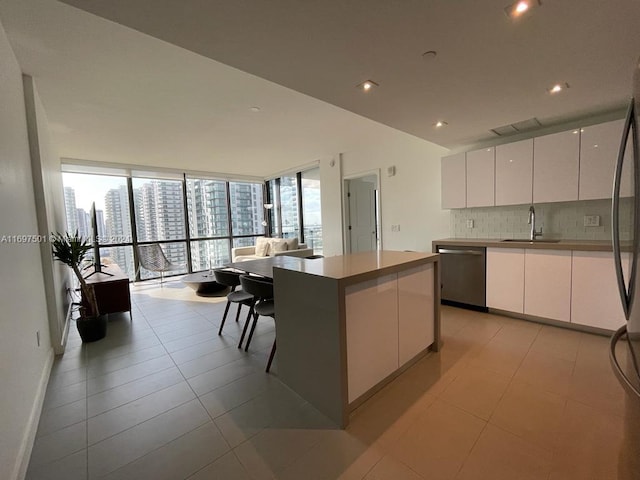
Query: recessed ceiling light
(367,85)
(255,109)
(557,88)
(520,7)
(440,124)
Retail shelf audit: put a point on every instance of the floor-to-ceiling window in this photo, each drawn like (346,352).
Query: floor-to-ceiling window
(311,211)
(195,220)
(295,208)
(159,215)
(110,196)
(247,212)
(208,222)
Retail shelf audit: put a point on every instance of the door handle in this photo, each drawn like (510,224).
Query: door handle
(625,294)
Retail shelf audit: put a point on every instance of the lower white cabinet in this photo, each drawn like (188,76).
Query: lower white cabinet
(390,320)
(372,332)
(415,311)
(577,287)
(547,279)
(505,279)
(594,290)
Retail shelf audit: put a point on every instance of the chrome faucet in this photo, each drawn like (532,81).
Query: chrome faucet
(532,222)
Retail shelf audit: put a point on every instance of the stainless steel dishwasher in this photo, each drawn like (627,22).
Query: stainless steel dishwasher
(462,276)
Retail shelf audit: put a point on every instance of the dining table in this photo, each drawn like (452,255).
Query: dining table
(264,266)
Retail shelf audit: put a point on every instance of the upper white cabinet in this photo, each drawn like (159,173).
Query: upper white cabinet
(556,166)
(599,145)
(454,190)
(481,177)
(547,280)
(514,173)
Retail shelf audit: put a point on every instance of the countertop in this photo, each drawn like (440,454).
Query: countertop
(357,266)
(584,245)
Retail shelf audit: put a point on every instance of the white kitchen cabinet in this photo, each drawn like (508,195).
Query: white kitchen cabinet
(599,145)
(547,280)
(556,167)
(514,173)
(372,333)
(481,177)
(415,311)
(505,279)
(594,290)
(454,189)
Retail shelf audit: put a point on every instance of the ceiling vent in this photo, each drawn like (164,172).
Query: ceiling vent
(517,127)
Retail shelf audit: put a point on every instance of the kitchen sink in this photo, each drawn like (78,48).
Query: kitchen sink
(526,240)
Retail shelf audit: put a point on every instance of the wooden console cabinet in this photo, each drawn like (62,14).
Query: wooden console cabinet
(112,292)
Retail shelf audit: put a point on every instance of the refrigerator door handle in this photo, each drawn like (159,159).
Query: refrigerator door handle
(617,369)
(625,295)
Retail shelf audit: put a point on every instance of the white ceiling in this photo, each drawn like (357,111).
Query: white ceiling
(114,94)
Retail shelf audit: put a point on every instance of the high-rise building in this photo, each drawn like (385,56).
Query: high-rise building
(208,217)
(117,227)
(83,222)
(70,209)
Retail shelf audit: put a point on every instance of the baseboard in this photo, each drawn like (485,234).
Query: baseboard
(22,462)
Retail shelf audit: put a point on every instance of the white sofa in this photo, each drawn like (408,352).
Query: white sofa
(240,254)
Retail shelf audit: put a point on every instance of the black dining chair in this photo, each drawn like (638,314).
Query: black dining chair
(262,291)
(231,279)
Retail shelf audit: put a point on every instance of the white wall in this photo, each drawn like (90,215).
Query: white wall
(331,204)
(25,366)
(50,211)
(411,198)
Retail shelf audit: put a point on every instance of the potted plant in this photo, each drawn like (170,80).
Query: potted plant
(72,250)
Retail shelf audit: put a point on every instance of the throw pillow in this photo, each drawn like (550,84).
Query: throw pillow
(277,245)
(292,243)
(262,246)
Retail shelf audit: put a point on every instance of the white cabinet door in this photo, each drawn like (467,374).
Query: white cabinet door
(372,333)
(556,167)
(505,279)
(453,173)
(599,145)
(594,291)
(481,178)
(514,173)
(415,311)
(547,280)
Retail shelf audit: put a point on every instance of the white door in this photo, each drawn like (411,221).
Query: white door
(362,215)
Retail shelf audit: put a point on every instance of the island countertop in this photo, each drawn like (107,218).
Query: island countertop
(356,267)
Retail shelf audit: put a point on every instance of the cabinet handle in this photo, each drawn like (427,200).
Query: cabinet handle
(459,252)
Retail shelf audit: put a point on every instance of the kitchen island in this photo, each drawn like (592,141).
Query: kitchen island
(349,324)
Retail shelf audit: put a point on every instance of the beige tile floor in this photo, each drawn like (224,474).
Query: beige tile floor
(164,397)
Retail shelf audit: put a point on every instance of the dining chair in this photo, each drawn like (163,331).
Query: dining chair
(231,279)
(262,291)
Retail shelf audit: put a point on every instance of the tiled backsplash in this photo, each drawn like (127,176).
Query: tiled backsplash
(558,220)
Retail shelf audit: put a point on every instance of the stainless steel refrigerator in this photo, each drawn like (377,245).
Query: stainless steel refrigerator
(625,343)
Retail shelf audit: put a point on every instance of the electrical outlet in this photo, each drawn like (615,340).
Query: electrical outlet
(469,223)
(395,228)
(592,220)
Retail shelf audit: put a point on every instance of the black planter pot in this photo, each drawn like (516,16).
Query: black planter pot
(92,329)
